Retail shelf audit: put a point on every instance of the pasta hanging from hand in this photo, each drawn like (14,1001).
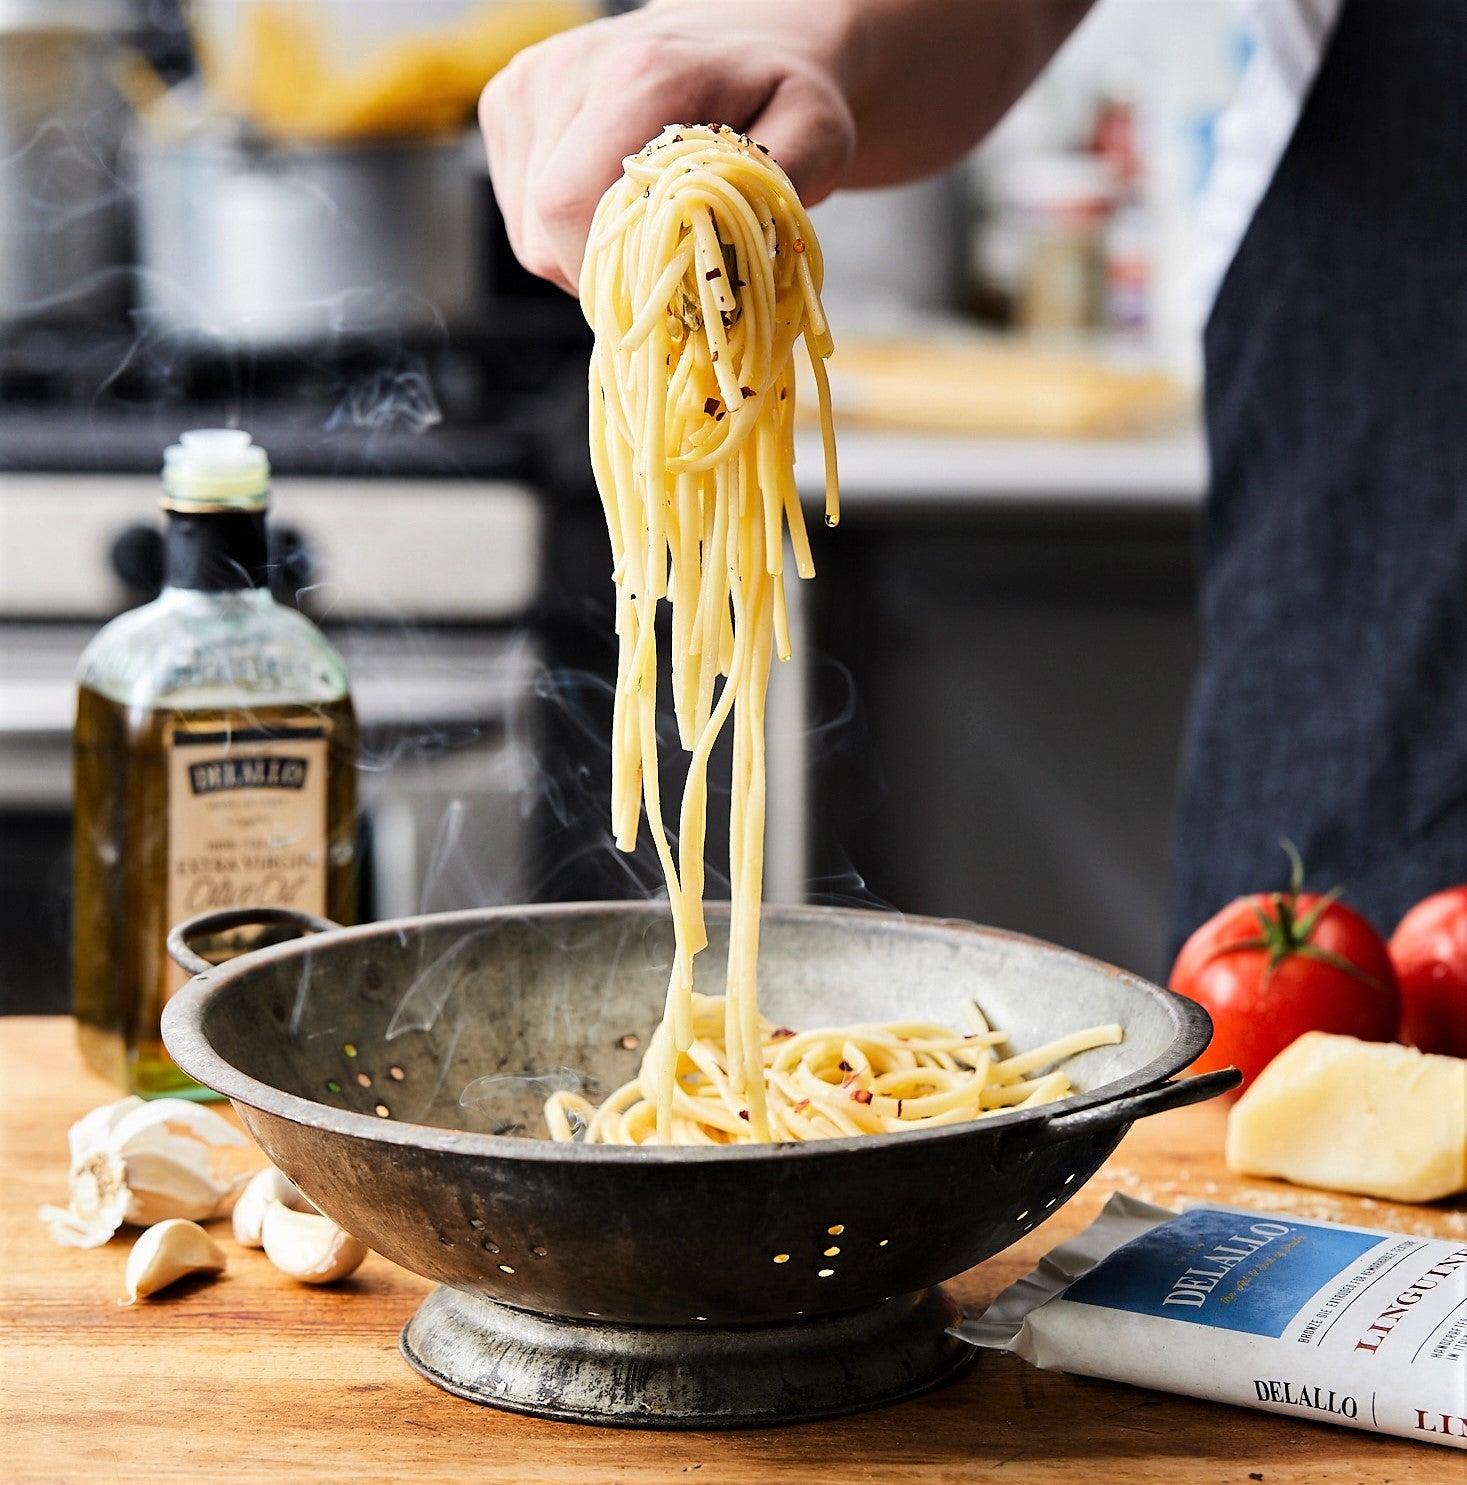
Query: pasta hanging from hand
(701,274)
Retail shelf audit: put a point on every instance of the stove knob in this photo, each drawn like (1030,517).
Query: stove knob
(137,558)
(292,567)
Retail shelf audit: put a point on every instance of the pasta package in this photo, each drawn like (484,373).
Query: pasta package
(1315,1320)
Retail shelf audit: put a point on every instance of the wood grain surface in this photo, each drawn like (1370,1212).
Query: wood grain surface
(252,1378)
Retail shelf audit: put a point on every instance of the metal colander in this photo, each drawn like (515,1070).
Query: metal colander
(395,1072)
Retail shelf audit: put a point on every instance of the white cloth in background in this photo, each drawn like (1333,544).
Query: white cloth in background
(1289,38)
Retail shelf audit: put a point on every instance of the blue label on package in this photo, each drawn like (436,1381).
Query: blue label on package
(1232,1270)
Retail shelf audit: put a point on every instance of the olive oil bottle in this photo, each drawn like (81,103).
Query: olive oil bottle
(214,764)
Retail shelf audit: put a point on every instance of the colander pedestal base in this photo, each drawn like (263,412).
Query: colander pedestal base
(588,1371)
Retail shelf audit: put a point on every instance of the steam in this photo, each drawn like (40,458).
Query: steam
(397,399)
(502,1100)
(430,990)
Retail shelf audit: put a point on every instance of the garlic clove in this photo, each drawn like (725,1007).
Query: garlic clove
(169,1251)
(133,1161)
(308,1246)
(265,1187)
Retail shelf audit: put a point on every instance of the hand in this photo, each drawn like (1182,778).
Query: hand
(559,120)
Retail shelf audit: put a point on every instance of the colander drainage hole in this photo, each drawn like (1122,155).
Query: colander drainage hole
(1069,1178)
(444,1238)
(383,1112)
(836,1231)
(825,1273)
(476,1224)
(538,1251)
(332,1086)
(883,1242)
(505,1268)
(363,1080)
(396,1074)
(781,1257)
(1022,1215)
(350,1049)
(490,1247)
(831,1252)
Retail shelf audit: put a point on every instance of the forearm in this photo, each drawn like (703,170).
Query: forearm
(927,79)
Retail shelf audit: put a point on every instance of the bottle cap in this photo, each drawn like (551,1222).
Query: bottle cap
(215,469)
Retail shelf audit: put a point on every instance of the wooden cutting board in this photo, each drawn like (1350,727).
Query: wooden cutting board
(253,1379)
(989,388)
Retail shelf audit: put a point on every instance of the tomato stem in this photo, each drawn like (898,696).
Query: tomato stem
(1285,933)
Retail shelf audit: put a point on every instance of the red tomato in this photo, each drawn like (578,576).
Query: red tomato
(1272,966)
(1429,951)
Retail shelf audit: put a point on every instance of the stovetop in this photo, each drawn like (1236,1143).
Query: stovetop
(489,401)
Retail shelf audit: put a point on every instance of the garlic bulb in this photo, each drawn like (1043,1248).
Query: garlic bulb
(169,1251)
(308,1246)
(139,1162)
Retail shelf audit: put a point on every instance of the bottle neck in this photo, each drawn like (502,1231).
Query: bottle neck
(216,551)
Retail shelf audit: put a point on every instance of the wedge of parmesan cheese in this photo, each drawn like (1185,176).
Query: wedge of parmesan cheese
(1374,1118)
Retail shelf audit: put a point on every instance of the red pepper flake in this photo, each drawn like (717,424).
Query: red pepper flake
(718,417)
(783,393)
(715,355)
(801,1106)
(798,244)
(727,318)
(780,1033)
(899,1108)
(710,405)
(743,1114)
(747,391)
(861,1095)
(714,273)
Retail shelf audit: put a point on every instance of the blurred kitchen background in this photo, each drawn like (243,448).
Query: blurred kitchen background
(275,214)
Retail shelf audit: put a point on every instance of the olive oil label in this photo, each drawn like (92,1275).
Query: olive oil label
(246,825)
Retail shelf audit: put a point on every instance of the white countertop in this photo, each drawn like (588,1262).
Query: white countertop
(892,471)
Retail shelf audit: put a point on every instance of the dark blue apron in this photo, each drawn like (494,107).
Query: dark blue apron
(1332,703)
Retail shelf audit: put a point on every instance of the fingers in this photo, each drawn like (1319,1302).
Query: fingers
(559,120)
(808,127)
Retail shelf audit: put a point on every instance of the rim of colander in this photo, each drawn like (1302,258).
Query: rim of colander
(191,1049)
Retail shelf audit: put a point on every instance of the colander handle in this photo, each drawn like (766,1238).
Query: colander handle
(224,919)
(1133,1106)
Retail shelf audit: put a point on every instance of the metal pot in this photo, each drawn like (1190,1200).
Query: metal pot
(63,213)
(700,1286)
(269,246)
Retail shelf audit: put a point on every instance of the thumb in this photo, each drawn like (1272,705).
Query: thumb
(809,129)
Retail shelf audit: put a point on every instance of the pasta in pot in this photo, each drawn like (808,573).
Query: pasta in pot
(827,1083)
